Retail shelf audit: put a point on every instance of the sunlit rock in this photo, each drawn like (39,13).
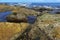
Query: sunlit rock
(8,30)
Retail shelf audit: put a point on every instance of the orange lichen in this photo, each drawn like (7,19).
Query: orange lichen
(57,32)
(7,30)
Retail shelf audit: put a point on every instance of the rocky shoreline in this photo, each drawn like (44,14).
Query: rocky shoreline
(28,24)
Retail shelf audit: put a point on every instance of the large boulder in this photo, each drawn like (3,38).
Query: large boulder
(21,15)
(14,17)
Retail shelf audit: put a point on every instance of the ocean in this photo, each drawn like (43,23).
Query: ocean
(46,4)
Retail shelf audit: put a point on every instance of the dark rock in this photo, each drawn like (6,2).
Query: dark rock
(42,9)
(15,17)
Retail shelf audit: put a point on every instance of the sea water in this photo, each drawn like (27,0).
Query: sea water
(3,15)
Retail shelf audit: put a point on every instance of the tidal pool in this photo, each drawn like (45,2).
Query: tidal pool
(3,16)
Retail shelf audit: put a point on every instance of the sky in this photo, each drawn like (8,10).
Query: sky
(23,1)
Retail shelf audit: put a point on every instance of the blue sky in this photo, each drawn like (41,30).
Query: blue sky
(30,1)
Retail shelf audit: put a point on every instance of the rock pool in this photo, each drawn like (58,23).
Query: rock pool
(3,15)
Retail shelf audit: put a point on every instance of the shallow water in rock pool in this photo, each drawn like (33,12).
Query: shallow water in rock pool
(3,16)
